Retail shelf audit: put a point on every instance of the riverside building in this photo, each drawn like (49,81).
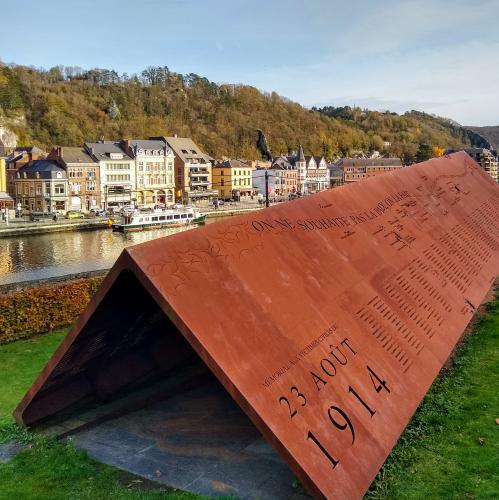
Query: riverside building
(154,161)
(42,186)
(117,173)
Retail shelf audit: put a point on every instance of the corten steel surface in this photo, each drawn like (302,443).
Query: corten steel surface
(326,318)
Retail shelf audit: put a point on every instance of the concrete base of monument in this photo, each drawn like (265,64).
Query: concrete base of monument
(199,441)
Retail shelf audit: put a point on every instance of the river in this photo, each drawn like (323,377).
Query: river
(36,257)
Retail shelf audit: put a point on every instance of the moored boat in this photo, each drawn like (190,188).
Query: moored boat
(139,221)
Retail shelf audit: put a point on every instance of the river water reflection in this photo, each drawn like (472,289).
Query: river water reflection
(35,257)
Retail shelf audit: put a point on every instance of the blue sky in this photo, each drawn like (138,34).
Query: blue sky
(438,56)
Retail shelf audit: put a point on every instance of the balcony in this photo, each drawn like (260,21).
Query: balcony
(199,182)
(199,172)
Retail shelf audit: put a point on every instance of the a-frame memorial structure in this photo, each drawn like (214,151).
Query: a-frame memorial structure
(326,318)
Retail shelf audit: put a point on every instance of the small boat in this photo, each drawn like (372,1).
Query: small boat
(138,221)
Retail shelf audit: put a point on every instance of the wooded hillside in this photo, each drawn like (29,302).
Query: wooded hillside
(68,106)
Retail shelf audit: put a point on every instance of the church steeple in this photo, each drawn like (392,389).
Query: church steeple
(300,156)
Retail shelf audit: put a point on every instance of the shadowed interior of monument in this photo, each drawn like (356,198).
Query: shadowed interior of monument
(134,393)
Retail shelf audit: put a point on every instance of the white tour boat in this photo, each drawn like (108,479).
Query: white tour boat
(138,221)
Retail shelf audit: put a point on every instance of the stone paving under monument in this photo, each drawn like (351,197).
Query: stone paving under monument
(198,441)
(326,319)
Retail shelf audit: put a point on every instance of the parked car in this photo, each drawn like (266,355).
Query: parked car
(98,212)
(127,209)
(74,214)
(217,202)
(37,216)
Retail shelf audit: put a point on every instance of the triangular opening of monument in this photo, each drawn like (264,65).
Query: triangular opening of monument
(131,382)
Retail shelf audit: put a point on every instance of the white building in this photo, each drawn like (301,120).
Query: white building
(153,163)
(117,173)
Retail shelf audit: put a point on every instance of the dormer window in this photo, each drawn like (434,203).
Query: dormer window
(25,175)
(58,175)
(185,151)
(141,152)
(38,175)
(116,156)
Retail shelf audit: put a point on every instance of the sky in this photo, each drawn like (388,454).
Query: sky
(438,56)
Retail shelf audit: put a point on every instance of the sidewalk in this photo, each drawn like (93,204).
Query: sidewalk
(21,226)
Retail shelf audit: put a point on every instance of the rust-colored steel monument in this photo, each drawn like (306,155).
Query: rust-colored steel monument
(326,318)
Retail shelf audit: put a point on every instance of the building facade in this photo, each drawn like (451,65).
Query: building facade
(286,178)
(154,162)
(312,174)
(232,179)
(485,158)
(117,173)
(42,186)
(316,175)
(19,157)
(6,201)
(258,181)
(193,175)
(357,169)
(83,175)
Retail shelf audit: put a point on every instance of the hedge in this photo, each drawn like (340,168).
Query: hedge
(39,310)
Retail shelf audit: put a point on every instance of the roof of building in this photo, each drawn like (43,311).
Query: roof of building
(101,150)
(5,196)
(76,155)
(19,152)
(286,162)
(186,149)
(28,149)
(43,167)
(369,162)
(232,164)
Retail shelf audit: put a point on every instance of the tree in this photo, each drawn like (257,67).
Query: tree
(438,151)
(425,152)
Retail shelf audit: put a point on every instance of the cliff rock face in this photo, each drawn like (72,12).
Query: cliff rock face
(484,137)
(8,139)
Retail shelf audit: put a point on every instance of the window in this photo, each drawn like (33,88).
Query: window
(47,188)
(38,189)
(59,188)
(141,165)
(19,189)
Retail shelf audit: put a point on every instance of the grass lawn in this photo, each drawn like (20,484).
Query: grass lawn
(451,447)
(449,450)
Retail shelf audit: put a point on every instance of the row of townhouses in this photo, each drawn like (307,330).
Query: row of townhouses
(164,170)
(158,170)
